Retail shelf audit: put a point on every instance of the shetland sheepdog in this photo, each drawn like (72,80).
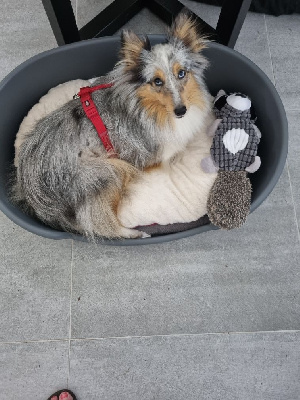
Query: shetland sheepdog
(155,106)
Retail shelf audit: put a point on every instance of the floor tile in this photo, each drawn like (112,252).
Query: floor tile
(144,290)
(74,6)
(88,9)
(25,32)
(145,22)
(209,14)
(263,269)
(253,43)
(262,366)
(35,282)
(243,280)
(33,370)
(293,158)
(284,34)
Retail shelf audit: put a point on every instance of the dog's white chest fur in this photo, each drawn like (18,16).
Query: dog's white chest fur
(183,132)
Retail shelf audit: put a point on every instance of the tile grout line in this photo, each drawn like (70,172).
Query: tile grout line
(35,341)
(293,200)
(270,54)
(153,336)
(174,335)
(70,310)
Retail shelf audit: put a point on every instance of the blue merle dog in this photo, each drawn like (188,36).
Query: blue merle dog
(156,105)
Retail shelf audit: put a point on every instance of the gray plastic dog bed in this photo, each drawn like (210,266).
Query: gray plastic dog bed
(228,70)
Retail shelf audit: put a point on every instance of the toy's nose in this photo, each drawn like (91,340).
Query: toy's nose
(180,111)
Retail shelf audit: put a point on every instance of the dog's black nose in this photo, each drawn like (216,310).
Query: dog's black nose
(180,111)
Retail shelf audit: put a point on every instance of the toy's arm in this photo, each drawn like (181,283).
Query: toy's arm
(257,132)
(254,166)
(213,127)
(208,165)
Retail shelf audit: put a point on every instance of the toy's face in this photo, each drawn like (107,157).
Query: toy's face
(238,103)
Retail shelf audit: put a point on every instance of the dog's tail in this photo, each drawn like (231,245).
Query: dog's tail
(97,215)
(80,200)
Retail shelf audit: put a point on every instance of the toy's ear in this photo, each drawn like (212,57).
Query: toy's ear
(185,28)
(253,116)
(131,48)
(220,93)
(220,102)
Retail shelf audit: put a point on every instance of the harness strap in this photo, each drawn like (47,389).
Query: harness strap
(93,115)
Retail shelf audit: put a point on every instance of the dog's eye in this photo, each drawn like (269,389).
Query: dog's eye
(181,74)
(158,82)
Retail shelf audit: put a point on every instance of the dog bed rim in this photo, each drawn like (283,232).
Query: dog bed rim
(48,232)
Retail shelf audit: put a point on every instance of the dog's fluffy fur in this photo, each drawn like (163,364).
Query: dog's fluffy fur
(64,175)
(52,101)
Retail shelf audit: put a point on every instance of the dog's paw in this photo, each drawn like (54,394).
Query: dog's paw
(127,233)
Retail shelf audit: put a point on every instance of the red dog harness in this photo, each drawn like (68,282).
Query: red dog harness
(93,115)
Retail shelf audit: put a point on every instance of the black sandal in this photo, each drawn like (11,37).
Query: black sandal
(61,391)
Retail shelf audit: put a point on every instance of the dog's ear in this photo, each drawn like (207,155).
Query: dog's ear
(185,29)
(131,48)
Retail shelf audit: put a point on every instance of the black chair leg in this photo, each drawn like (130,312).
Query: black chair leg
(113,17)
(232,17)
(62,20)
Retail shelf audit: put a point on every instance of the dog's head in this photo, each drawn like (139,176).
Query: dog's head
(168,76)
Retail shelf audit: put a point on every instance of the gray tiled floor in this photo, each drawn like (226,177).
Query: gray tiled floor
(33,370)
(25,31)
(284,36)
(149,322)
(35,285)
(261,366)
(294,159)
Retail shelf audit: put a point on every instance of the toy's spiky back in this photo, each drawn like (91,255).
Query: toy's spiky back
(229,200)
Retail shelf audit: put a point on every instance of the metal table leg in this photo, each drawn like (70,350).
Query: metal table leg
(114,16)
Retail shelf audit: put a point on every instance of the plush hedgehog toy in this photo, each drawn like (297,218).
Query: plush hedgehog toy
(233,155)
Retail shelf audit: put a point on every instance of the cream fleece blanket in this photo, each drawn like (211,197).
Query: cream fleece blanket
(175,192)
